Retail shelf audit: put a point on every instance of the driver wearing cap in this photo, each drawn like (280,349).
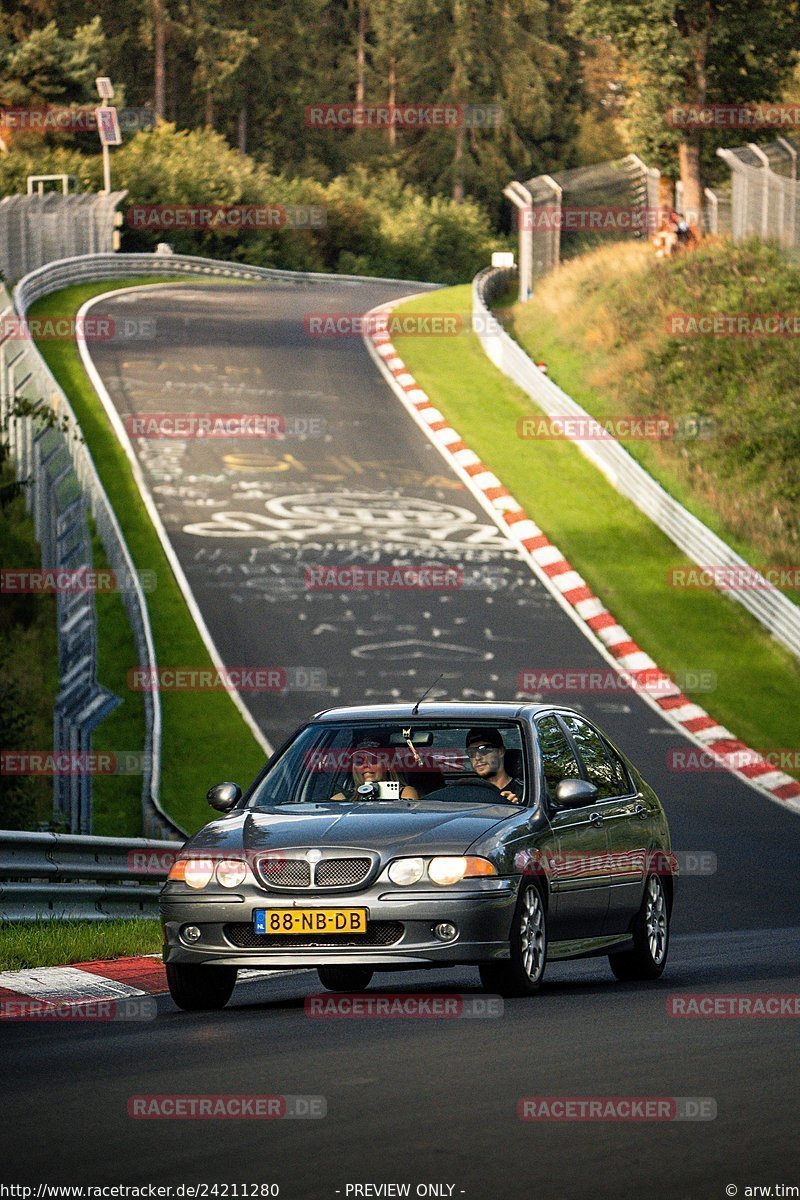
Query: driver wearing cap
(486,752)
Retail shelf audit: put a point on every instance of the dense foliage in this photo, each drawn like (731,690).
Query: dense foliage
(619,330)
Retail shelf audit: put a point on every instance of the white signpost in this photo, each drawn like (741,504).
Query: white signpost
(107,127)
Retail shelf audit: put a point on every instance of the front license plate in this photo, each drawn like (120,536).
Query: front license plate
(310,920)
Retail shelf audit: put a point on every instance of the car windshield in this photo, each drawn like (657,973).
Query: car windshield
(410,760)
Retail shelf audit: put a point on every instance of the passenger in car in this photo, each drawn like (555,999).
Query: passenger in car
(487,753)
(368,768)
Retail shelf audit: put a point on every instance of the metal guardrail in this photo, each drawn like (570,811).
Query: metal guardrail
(63,489)
(769,606)
(96,267)
(68,877)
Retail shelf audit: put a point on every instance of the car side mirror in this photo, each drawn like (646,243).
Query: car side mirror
(223,796)
(574,793)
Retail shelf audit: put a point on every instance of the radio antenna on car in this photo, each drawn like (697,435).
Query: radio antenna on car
(424,694)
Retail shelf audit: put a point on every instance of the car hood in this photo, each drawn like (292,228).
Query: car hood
(401,826)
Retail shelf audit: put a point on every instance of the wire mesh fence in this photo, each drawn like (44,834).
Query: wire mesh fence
(564,214)
(41,228)
(716,217)
(765,192)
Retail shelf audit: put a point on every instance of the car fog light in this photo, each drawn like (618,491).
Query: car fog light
(191,934)
(445,931)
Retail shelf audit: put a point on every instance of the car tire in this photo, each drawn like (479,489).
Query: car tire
(345,979)
(521,974)
(197,988)
(648,957)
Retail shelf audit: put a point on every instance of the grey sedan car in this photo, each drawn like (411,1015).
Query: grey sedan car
(500,835)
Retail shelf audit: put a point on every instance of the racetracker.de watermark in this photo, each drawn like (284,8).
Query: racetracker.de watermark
(67,329)
(634,863)
(391,758)
(159,426)
(732,324)
(691,759)
(583,428)
(403,116)
(616,1108)
(73,762)
(160,862)
(736,578)
(53,119)
(420,1005)
(130,1008)
(356,578)
(236,217)
(399,324)
(733,116)
(226,1107)
(733,1006)
(59,581)
(608,679)
(598,218)
(227,679)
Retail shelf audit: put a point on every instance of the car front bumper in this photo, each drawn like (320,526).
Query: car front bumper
(481,910)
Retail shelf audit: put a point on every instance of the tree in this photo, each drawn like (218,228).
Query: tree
(698,53)
(159,47)
(47,66)
(472,56)
(396,25)
(219,49)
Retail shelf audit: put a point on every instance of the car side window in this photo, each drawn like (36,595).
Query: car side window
(621,776)
(557,758)
(594,755)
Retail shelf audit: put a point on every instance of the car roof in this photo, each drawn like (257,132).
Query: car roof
(472,710)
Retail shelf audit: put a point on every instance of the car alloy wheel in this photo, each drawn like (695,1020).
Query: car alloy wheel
(648,957)
(531,934)
(656,919)
(521,974)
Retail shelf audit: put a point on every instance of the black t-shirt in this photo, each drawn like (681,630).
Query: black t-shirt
(516,787)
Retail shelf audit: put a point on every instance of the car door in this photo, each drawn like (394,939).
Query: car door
(625,818)
(579,894)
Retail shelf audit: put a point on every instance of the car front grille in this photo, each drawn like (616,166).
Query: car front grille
(284,872)
(342,872)
(379,933)
(292,871)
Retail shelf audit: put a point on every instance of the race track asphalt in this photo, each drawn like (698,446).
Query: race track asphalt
(408,1100)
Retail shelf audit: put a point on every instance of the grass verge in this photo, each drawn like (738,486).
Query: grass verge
(613,327)
(59,943)
(620,553)
(116,799)
(205,738)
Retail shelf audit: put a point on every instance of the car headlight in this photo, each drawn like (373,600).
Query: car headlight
(231,872)
(197,872)
(406,870)
(446,870)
